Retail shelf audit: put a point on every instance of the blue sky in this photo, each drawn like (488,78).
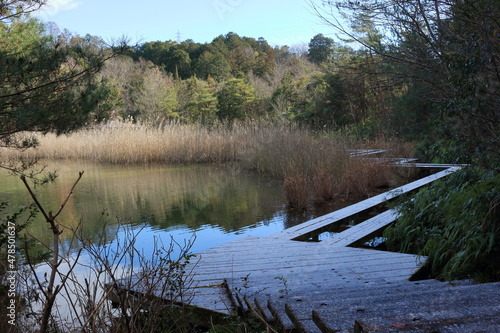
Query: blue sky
(280,22)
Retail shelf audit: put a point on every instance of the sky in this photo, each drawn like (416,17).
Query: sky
(279,22)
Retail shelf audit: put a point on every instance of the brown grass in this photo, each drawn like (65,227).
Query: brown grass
(314,170)
(128,143)
(296,190)
(324,186)
(364,177)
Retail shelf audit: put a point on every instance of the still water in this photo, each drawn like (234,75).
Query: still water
(154,204)
(216,204)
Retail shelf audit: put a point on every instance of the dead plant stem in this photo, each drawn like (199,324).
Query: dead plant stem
(50,293)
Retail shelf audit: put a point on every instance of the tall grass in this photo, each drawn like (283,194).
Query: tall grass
(313,169)
(128,143)
(310,167)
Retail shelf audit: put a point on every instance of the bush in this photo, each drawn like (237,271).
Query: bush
(455,222)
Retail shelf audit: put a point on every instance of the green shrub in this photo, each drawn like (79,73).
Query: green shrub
(455,222)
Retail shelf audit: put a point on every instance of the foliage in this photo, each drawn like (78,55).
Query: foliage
(10,10)
(212,64)
(456,223)
(226,55)
(157,97)
(473,56)
(320,49)
(19,220)
(201,102)
(47,83)
(235,100)
(326,104)
(440,58)
(287,95)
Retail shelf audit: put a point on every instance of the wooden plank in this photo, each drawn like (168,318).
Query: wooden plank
(305,265)
(328,219)
(356,263)
(363,230)
(294,250)
(304,259)
(276,282)
(259,244)
(340,313)
(334,268)
(215,298)
(305,268)
(435,165)
(273,287)
(364,152)
(321,254)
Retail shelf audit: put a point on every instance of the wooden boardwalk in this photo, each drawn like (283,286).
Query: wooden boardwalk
(262,266)
(322,222)
(280,264)
(235,276)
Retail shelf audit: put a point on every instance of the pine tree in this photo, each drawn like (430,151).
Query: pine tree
(47,83)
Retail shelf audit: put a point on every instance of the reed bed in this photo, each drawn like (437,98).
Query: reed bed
(128,143)
(313,170)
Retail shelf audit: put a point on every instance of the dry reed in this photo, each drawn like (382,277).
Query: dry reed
(314,170)
(296,191)
(364,176)
(128,143)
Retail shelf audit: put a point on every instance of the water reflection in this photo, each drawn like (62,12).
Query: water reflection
(216,203)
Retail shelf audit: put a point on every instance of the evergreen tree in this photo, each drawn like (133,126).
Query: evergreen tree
(46,83)
(235,100)
(202,105)
(320,49)
(214,64)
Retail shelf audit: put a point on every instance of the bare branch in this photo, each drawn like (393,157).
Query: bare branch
(80,174)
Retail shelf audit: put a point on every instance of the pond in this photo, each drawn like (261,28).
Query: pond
(215,203)
(156,204)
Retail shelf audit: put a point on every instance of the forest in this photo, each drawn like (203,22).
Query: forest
(422,72)
(419,71)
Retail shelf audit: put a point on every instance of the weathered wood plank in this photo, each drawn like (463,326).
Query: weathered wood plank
(215,298)
(328,219)
(353,256)
(320,275)
(364,152)
(323,296)
(362,231)
(481,319)
(302,272)
(210,277)
(295,248)
(272,259)
(368,264)
(340,313)
(435,165)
